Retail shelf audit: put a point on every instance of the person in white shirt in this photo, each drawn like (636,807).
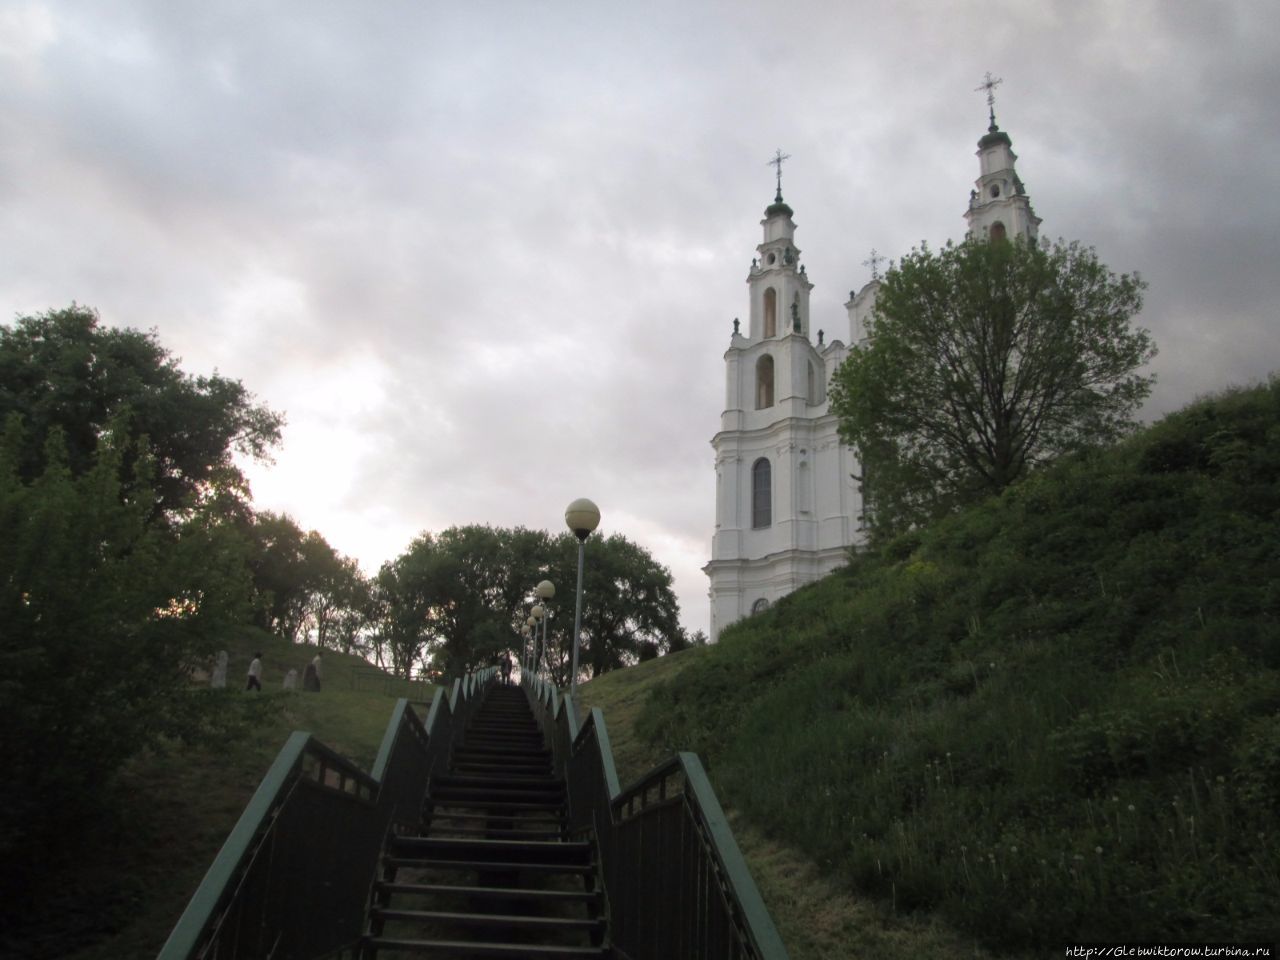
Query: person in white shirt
(255,673)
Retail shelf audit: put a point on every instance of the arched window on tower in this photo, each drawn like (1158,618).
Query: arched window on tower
(997,232)
(813,385)
(771,312)
(761,494)
(764,382)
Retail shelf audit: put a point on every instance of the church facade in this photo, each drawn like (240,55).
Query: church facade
(788,503)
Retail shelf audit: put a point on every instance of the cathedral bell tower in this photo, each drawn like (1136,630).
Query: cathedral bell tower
(999,207)
(784,488)
(788,506)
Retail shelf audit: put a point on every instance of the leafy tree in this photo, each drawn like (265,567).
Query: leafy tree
(63,370)
(629,610)
(339,604)
(302,585)
(983,361)
(458,599)
(103,614)
(279,574)
(403,601)
(450,600)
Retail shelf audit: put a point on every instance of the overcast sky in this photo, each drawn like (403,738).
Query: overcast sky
(486,256)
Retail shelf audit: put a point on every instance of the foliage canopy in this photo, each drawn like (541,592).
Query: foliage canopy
(302,584)
(984,360)
(104,612)
(458,598)
(63,370)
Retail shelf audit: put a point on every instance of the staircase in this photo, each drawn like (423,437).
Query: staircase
(492,871)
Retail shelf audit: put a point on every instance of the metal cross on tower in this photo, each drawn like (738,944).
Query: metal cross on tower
(874,262)
(989,84)
(777,161)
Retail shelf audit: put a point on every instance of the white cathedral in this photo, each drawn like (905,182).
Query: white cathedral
(788,504)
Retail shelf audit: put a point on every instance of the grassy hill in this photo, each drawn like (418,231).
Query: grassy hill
(816,917)
(1053,717)
(133,879)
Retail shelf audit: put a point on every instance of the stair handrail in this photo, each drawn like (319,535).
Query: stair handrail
(675,806)
(272,889)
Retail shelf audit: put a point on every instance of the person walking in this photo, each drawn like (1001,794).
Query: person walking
(255,673)
(311,677)
(506,668)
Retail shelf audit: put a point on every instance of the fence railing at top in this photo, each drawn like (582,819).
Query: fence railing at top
(373,680)
(292,880)
(676,883)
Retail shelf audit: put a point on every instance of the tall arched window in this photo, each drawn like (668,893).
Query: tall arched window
(764,382)
(761,494)
(813,385)
(997,232)
(771,312)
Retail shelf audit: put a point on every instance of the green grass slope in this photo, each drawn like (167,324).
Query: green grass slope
(174,808)
(816,919)
(1053,717)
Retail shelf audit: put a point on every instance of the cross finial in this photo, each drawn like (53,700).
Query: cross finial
(989,84)
(777,161)
(873,262)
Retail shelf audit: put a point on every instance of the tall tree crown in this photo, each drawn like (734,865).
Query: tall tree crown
(983,360)
(63,369)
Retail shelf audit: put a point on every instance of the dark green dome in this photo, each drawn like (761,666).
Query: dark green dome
(994,135)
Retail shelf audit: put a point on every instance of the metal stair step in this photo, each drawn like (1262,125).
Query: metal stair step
(461,948)
(443,831)
(486,850)
(500,752)
(488,769)
(525,921)
(506,749)
(493,797)
(503,809)
(488,866)
(490,893)
(540,818)
(488,779)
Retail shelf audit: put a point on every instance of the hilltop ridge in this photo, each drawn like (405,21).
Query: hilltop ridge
(1052,717)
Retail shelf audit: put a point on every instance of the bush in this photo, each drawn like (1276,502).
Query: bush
(104,611)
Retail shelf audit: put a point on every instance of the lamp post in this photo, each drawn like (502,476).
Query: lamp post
(536,615)
(582,517)
(527,659)
(544,591)
(531,625)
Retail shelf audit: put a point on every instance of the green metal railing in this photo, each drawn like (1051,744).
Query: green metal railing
(292,880)
(373,680)
(675,880)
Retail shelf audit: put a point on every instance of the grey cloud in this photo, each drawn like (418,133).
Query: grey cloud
(533,222)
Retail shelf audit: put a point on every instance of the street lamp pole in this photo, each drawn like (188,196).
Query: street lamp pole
(582,517)
(544,591)
(536,614)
